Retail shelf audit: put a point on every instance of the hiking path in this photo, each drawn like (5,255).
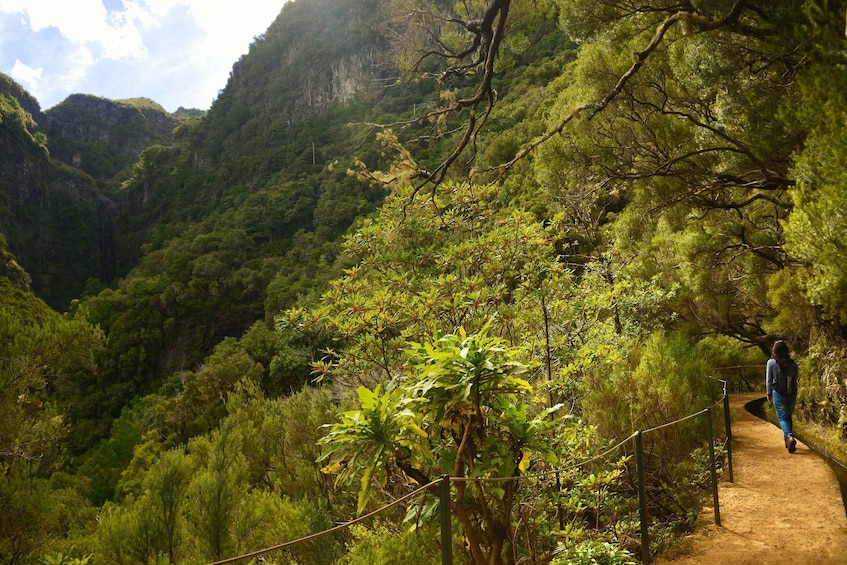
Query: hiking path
(781,509)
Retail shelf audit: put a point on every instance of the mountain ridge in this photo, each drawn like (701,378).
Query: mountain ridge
(219,220)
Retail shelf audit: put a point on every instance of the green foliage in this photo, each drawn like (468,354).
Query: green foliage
(388,547)
(10,269)
(63,559)
(252,482)
(365,440)
(705,199)
(814,231)
(47,210)
(216,492)
(14,119)
(682,177)
(28,513)
(454,260)
(152,525)
(166,486)
(145,451)
(280,439)
(103,464)
(666,380)
(104,137)
(42,354)
(212,267)
(40,351)
(201,402)
(39,516)
(593,552)
(462,409)
(810,294)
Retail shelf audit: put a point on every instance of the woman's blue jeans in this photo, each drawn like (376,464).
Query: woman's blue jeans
(784,404)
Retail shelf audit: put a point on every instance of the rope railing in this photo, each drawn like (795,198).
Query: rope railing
(545,473)
(637,436)
(675,422)
(326,532)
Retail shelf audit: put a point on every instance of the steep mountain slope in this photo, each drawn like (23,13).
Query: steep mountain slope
(240,215)
(230,220)
(48,211)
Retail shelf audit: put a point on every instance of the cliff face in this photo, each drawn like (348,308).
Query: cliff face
(354,76)
(49,211)
(316,54)
(57,221)
(103,137)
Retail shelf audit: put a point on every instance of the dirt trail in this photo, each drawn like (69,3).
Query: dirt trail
(782,508)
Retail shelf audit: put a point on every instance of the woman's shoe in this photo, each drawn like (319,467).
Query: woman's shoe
(791,444)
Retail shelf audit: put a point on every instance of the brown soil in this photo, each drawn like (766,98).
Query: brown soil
(782,508)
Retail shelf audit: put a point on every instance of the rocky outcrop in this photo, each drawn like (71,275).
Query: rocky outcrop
(349,78)
(127,124)
(316,54)
(103,137)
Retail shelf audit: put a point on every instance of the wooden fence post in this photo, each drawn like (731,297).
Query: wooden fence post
(728,426)
(642,500)
(712,467)
(446,533)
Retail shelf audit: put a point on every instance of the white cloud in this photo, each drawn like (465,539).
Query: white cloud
(177,52)
(27,75)
(86,21)
(234,31)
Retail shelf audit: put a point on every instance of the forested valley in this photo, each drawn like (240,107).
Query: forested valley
(484,239)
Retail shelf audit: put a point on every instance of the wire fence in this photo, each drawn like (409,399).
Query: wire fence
(646,499)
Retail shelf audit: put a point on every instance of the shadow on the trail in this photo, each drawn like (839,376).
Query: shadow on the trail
(757,408)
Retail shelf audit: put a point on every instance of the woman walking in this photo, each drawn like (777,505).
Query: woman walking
(781,387)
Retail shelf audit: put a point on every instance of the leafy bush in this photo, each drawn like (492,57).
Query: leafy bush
(386,546)
(593,552)
(666,379)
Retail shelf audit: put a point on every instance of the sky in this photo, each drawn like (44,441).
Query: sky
(175,52)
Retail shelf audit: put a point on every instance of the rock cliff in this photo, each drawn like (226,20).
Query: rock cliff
(103,137)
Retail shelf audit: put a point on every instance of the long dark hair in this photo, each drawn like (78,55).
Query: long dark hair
(780,350)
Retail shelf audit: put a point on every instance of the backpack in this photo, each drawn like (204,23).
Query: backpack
(785,378)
